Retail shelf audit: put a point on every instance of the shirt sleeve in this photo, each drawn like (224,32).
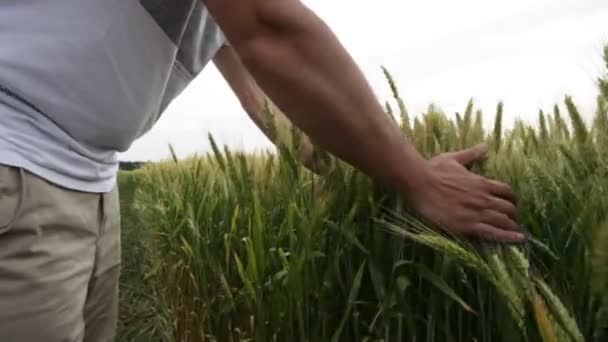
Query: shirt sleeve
(222,38)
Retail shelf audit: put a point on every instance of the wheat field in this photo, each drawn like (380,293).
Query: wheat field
(235,247)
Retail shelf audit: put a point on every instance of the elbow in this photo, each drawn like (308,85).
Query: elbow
(271,34)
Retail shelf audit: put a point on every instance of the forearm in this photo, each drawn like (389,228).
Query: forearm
(300,64)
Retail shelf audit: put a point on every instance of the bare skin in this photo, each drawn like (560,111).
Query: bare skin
(297,61)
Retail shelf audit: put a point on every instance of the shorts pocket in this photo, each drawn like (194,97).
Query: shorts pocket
(11,195)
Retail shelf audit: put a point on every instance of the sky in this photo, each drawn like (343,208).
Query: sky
(529,54)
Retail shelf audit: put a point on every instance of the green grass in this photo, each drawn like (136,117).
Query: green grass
(234,247)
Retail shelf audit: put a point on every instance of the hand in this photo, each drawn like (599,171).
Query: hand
(465,204)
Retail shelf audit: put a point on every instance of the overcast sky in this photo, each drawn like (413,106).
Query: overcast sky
(526,53)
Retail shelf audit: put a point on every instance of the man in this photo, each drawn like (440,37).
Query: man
(80,80)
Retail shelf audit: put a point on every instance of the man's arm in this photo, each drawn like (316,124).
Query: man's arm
(255,102)
(296,59)
(298,62)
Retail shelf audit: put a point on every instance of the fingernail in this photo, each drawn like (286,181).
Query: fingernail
(519,236)
(483,147)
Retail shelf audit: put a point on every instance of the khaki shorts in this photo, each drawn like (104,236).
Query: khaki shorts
(59,261)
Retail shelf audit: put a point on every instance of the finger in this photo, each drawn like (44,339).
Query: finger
(503,206)
(501,190)
(470,155)
(490,233)
(499,220)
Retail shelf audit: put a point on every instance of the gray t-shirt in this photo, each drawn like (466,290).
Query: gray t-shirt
(80,80)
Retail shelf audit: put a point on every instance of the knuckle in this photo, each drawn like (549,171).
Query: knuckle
(481,179)
(508,223)
(467,219)
(487,200)
(502,218)
(488,183)
(486,215)
(477,217)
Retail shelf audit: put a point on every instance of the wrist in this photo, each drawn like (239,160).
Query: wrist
(417,179)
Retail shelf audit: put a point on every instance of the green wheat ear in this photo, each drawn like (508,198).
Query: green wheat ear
(497,135)
(580,130)
(604,88)
(173,154)
(544,133)
(389,109)
(543,321)
(270,123)
(216,152)
(405,118)
(467,125)
(478,132)
(600,124)
(603,82)
(601,116)
(559,311)
(562,126)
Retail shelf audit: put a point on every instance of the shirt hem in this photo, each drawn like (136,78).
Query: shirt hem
(14,160)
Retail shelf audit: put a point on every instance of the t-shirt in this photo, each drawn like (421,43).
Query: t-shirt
(81,80)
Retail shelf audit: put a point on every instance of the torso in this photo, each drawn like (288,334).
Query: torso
(95,73)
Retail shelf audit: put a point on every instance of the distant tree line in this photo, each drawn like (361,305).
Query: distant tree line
(131,165)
